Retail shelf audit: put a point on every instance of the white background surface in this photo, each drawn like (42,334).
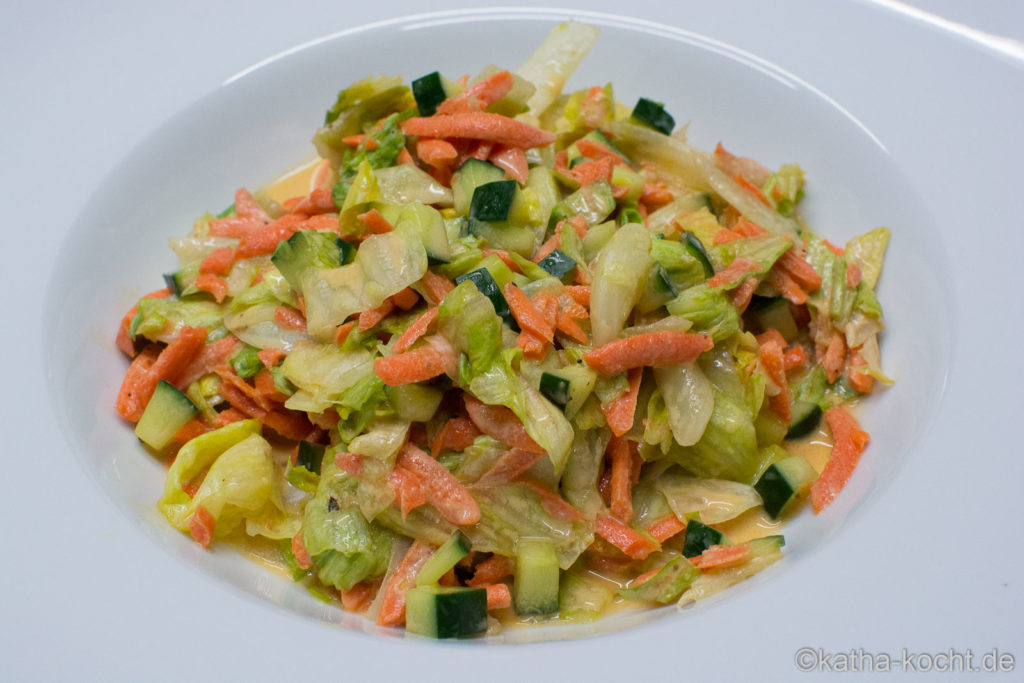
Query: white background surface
(86,596)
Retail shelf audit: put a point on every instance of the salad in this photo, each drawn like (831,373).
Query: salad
(510,355)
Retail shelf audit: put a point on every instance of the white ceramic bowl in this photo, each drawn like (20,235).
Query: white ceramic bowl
(260,123)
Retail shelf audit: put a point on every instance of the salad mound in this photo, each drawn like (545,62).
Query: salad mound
(517,354)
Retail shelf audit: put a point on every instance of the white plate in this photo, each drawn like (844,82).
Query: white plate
(857,181)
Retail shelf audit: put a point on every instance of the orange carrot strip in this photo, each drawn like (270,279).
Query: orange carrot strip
(498,596)
(596,150)
(264,382)
(319,201)
(835,250)
(479,126)
(743,293)
(265,240)
(342,331)
(417,329)
(218,262)
(654,349)
(553,242)
(751,188)
(505,258)
(373,220)
(592,171)
(321,223)
(123,339)
(289,318)
(860,381)
(405,299)
(358,597)
(417,365)
(229,380)
(547,304)
(835,357)
(214,284)
(734,272)
(246,206)
(201,526)
(666,527)
(655,195)
(145,372)
(769,335)
(721,556)
(493,569)
(801,272)
(570,328)
(371,316)
(853,275)
(500,423)
(349,462)
(848,442)
(526,314)
(392,607)
(621,484)
(532,347)
(408,491)
(513,161)
(437,286)
(745,228)
(619,411)
(234,226)
(270,357)
(228,416)
(509,466)
(354,140)
(212,355)
(774,365)
(795,357)
(302,557)
(442,490)
(628,540)
(478,96)
(785,283)
(404,158)
(724,236)
(554,504)
(190,430)
(579,293)
(436,153)
(457,434)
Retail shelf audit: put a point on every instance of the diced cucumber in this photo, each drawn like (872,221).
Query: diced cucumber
(471,175)
(806,417)
(578,381)
(555,389)
(246,362)
(535,591)
(783,483)
(773,314)
(446,612)
(699,537)
(594,203)
(582,598)
(696,249)
(444,558)
(483,280)
(557,263)
(653,115)
(426,223)
(310,249)
(492,201)
(167,411)
(304,473)
(180,283)
(665,586)
(658,291)
(414,402)
(429,93)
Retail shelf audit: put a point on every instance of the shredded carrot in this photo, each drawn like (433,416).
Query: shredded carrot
(553,504)
(145,372)
(190,430)
(505,258)
(447,494)
(353,140)
(552,243)
(405,299)
(436,153)
(592,149)
(349,462)
(774,365)
(654,349)
(417,365)
(721,556)
(479,126)
(590,172)
(226,417)
(417,329)
(785,283)
(513,161)
(457,434)
(527,315)
(798,269)
(794,357)
(246,206)
(212,355)
(579,293)
(234,226)
(513,463)
(500,423)
(860,381)
(853,275)
(621,480)
(289,318)
(745,228)
(408,491)
(214,284)
(392,607)
(724,236)
(270,357)
(743,293)
(302,557)
(834,357)
(218,262)
(342,331)
(620,411)
(266,387)
(201,526)
(371,316)
(734,272)
(533,347)
(437,286)
(375,222)
(358,598)
(498,596)
(568,326)
(493,569)
(479,96)
(655,195)
(666,527)
(625,538)
(848,442)
(752,189)
(265,240)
